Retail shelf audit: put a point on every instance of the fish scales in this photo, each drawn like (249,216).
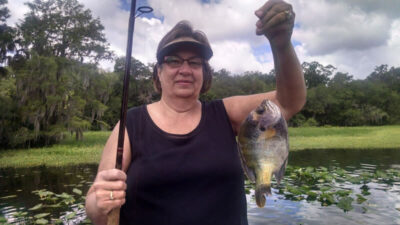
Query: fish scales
(264,148)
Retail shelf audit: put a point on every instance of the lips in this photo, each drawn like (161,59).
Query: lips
(184,81)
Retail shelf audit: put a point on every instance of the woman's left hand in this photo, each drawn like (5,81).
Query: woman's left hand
(276,21)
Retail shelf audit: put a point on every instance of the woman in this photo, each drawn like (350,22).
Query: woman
(180,162)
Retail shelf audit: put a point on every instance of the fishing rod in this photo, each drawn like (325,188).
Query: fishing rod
(113,216)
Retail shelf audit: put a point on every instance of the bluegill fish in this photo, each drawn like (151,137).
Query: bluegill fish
(264,147)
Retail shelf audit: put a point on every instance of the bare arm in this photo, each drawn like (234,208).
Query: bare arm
(290,93)
(98,202)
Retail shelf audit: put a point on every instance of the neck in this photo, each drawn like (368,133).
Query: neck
(179,105)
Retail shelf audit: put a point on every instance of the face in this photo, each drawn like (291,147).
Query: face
(181,75)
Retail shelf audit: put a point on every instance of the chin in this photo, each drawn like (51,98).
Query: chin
(186,93)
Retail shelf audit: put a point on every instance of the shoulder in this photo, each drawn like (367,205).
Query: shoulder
(214,106)
(135,109)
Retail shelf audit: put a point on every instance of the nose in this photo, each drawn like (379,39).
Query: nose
(185,68)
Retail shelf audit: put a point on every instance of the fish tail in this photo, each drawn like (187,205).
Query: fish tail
(261,191)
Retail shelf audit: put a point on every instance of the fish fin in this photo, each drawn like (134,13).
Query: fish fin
(261,191)
(249,173)
(279,175)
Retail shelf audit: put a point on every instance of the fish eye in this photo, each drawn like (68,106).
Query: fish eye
(262,128)
(260,110)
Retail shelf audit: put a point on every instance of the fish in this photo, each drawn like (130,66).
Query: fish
(264,148)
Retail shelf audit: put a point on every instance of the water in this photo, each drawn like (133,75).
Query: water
(16,195)
(381,207)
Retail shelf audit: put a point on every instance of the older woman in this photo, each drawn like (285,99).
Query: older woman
(180,162)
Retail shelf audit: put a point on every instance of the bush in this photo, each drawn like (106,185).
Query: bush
(310,122)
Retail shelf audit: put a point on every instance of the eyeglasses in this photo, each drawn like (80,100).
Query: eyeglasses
(174,61)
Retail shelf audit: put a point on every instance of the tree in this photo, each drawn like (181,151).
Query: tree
(6,36)
(389,77)
(340,79)
(316,74)
(64,29)
(4,12)
(55,90)
(141,90)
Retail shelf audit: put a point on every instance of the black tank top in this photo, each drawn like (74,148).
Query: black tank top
(188,179)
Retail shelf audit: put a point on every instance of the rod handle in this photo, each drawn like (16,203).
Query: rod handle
(113,216)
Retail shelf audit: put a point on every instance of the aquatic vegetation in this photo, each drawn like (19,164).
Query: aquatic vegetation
(347,189)
(71,205)
(331,186)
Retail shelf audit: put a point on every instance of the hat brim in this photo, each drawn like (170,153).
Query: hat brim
(201,49)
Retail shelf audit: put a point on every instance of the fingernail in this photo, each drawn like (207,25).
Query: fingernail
(258,24)
(258,13)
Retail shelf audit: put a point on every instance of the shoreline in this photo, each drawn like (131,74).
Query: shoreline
(70,152)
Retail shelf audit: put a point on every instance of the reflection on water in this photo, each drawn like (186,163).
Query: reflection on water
(382,205)
(17,199)
(381,159)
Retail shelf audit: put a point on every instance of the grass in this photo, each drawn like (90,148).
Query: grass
(68,152)
(344,137)
(71,152)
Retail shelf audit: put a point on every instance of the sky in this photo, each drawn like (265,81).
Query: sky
(354,36)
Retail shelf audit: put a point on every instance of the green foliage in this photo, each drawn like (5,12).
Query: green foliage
(225,85)
(63,28)
(45,213)
(7,34)
(310,122)
(321,184)
(347,102)
(4,12)
(345,203)
(316,74)
(141,90)
(47,88)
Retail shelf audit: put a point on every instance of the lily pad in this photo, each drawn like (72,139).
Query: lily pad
(326,198)
(42,221)
(381,174)
(341,172)
(343,193)
(57,221)
(3,220)
(20,214)
(294,190)
(311,195)
(77,191)
(345,203)
(58,205)
(325,188)
(36,207)
(70,216)
(41,215)
(360,199)
(8,197)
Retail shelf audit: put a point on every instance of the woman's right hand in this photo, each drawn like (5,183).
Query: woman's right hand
(109,188)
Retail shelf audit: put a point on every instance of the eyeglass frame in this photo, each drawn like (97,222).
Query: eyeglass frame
(181,61)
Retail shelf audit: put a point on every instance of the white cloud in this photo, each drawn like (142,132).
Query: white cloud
(352,35)
(326,28)
(238,57)
(17,10)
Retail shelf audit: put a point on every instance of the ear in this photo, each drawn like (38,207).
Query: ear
(159,68)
